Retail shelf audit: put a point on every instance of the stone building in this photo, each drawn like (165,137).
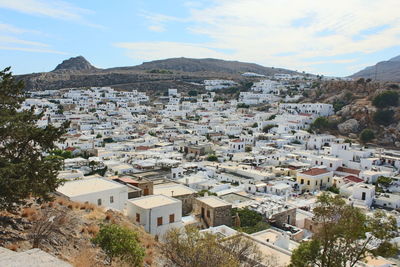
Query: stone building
(213,211)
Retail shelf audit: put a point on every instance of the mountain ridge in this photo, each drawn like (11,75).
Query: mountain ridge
(78,72)
(388,71)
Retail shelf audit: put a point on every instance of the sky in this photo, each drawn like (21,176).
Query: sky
(333,38)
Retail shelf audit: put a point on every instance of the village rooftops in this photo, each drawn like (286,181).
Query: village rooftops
(315,171)
(153,201)
(173,190)
(87,186)
(213,201)
(352,178)
(348,170)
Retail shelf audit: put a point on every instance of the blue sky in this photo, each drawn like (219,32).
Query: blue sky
(322,37)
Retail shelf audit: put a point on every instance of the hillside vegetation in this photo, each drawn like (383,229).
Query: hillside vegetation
(71,238)
(361,105)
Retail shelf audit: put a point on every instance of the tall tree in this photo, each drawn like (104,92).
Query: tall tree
(25,170)
(346,235)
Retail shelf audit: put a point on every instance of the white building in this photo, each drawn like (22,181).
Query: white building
(156,213)
(98,191)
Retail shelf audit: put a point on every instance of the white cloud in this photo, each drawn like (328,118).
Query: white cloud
(55,9)
(4,27)
(157,22)
(154,50)
(262,30)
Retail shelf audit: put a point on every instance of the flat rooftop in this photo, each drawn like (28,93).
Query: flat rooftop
(213,201)
(172,190)
(153,201)
(87,186)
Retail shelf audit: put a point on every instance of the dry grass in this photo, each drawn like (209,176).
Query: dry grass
(13,247)
(87,257)
(95,214)
(28,212)
(93,229)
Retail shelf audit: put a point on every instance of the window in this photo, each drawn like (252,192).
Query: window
(308,182)
(302,181)
(328,180)
(208,213)
(159,221)
(111,199)
(363,196)
(99,202)
(138,217)
(171,218)
(330,165)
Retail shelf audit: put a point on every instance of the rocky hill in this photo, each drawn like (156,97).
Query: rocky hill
(78,63)
(353,103)
(78,72)
(71,240)
(382,71)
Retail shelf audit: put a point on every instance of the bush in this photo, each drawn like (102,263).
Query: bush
(212,158)
(242,105)
(367,135)
(386,99)
(268,127)
(384,117)
(333,189)
(250,220)
(255,125)
(192,93)
(120,242)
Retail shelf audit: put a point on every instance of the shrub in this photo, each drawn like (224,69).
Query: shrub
(322,124)
(333,189)
(250,220)
(212,158)
(384,117)
(242,105)
(192,93)
(268,127)
(120,242)
(367,135)
(386,99)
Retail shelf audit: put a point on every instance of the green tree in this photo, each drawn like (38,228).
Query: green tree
(120,242)
(242,105)
(65,154)
(366,135)
(268,127)
(384,117)
(212,157)
(250,220)
(322,124)
(346,235)
(382,183)
(25,171)
(193,93)
(386,99)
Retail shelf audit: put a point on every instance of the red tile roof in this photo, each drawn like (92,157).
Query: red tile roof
(352,178)
(315,171)
(348,170)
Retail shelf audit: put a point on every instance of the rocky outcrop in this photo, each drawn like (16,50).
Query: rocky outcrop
(349,126)
(78,63)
